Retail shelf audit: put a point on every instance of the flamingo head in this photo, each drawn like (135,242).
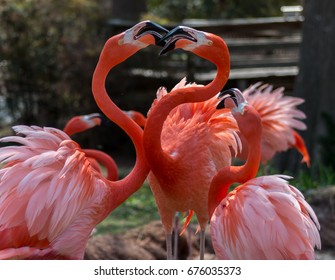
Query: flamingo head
(137,117)
(143,34)
(247,117)
(121,46)
(81,123)
(206,45)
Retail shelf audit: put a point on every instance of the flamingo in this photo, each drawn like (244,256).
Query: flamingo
(265,217)
(137,117)
(280,119)
(82,123)
(186,145)
(50,196)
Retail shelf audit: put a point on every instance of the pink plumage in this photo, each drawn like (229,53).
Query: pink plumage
(265,218)
(50,196)
(199,139)
(280,120)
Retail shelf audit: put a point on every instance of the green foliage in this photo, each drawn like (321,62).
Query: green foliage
(177,10)
(254,8)
(44,50)
(319,175)
(137,210)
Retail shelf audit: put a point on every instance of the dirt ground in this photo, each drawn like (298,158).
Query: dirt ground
(148,242)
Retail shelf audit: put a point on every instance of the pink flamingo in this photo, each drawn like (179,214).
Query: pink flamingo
(280,119)
(82,123)
(137,117)
(265,217)
(50,196)
(189,140)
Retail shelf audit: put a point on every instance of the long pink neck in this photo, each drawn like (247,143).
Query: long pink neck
(236,174)
(106,160)
(121,189)
(160,162)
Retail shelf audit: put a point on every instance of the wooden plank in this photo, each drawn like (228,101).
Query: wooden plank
(251,73)
(259,48)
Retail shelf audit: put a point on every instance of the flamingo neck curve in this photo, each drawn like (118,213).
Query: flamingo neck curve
(159,161)
(236,174)
(111,55)
(106,160)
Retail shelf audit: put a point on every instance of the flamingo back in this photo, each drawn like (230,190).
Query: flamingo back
(49,194)
(200,123)
(265,218)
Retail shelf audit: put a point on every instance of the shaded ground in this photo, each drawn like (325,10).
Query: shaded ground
(148,241)
(145,242)
(323,202)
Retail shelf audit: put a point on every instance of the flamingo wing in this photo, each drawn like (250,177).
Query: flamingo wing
(280,117)
(46,186)
(202,118)
(265,218)
(195,133)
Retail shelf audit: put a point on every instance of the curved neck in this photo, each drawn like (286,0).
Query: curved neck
(235,174)
(159,160)
(73,127)
(111,55)
(107,161)
(70,130)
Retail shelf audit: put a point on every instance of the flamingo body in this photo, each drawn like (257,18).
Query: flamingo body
(265,218)
(199,138)
(178,135)
(49,196)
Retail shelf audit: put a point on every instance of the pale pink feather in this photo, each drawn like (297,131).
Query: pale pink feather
(280,117)
(50,196)
(265,218)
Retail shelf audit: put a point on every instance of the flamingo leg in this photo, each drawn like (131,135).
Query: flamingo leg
(168,237)
(189,242)
(175,236)
(202,244)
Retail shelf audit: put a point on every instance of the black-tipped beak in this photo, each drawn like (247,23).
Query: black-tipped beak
(153,29)
(229,93)
(169,40)
(104,121)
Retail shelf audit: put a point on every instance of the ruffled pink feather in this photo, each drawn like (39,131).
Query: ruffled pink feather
(280,118)
(265,218)
(50,196)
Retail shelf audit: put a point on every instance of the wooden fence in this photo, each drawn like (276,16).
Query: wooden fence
(263,49)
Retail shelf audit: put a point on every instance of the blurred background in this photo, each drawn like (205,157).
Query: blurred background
(49,49)
(48,52)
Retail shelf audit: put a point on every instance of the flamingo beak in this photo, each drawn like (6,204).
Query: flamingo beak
(229,93)
(154,30)
(99,119)
(169,40)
